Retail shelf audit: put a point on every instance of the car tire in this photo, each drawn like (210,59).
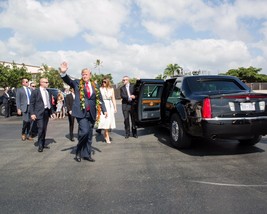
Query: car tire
(179,138)
(251,142)
(2,110)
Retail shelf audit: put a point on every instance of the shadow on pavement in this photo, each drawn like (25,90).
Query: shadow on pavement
(48,141)
(206,147)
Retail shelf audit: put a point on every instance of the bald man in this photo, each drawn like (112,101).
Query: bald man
(40,111)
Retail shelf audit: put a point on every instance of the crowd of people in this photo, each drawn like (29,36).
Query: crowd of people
(86,102)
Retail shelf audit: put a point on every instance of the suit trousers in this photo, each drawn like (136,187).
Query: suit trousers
(42,128)
(26,122)
(85,135)
(7,109)
(71,125)
(127,113)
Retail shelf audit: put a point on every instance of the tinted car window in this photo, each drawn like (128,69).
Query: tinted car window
(152,91)
(199,85)
(175,93)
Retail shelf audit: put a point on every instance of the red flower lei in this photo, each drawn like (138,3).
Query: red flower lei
(82,98)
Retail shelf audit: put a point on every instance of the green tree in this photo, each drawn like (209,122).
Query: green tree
(171,70)
(53,76)
(12,75)
(99,77)
(250,74)
(160,76)
(98,65)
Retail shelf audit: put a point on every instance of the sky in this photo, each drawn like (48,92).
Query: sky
(138,38)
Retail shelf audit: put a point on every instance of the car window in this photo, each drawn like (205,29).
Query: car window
(152,91)
(175,93)
(197,85)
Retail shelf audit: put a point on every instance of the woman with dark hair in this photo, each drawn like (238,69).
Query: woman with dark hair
(108,95)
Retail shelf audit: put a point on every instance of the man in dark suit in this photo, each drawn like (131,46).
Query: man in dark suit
(87,105)
(69,102)
(40,110)
(23,95)
(6,101)
(126,92)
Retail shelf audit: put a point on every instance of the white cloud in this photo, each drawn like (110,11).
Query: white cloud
(106,42)
(39,22)
(158,29)
(20,45)
(59,20)
(106,26)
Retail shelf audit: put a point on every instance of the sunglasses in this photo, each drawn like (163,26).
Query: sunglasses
(45,82)
(104,81)
(124,80)
(33,86)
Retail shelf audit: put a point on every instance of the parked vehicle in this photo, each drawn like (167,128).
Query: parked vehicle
(211,106)
(13,108)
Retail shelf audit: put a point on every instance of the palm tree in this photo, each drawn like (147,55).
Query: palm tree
(172,69)
(160,76)
(98,64)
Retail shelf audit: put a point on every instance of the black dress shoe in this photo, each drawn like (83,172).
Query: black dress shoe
(72,139)
(135,136)
(89,159)
(127,136)
(40,149)
(46,147)
(78,157)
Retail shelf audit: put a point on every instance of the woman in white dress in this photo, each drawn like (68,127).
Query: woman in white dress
(108,122)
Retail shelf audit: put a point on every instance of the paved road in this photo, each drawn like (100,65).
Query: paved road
(144,175)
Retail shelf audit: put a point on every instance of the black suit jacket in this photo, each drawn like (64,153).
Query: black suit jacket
(91,101)
(37,104)
(124,94)
(6,98)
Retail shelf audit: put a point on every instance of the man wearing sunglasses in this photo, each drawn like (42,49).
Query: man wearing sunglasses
(40,111)
(23,96)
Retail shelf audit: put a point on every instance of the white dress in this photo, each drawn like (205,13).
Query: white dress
(109,122)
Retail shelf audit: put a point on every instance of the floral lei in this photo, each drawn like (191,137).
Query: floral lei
(82,98)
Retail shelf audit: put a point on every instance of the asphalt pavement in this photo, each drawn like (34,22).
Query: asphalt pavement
(143,175)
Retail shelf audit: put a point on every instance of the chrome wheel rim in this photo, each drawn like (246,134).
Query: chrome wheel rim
(175,131)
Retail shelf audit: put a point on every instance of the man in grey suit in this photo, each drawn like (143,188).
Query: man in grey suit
(40,111)
(23,101)
(87,99)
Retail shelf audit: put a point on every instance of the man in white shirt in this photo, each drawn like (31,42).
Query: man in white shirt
(40,111)
(23,101)
(127,99)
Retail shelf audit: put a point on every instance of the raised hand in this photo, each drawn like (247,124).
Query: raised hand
(63,67)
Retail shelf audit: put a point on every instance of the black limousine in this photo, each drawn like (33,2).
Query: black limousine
(209,106)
